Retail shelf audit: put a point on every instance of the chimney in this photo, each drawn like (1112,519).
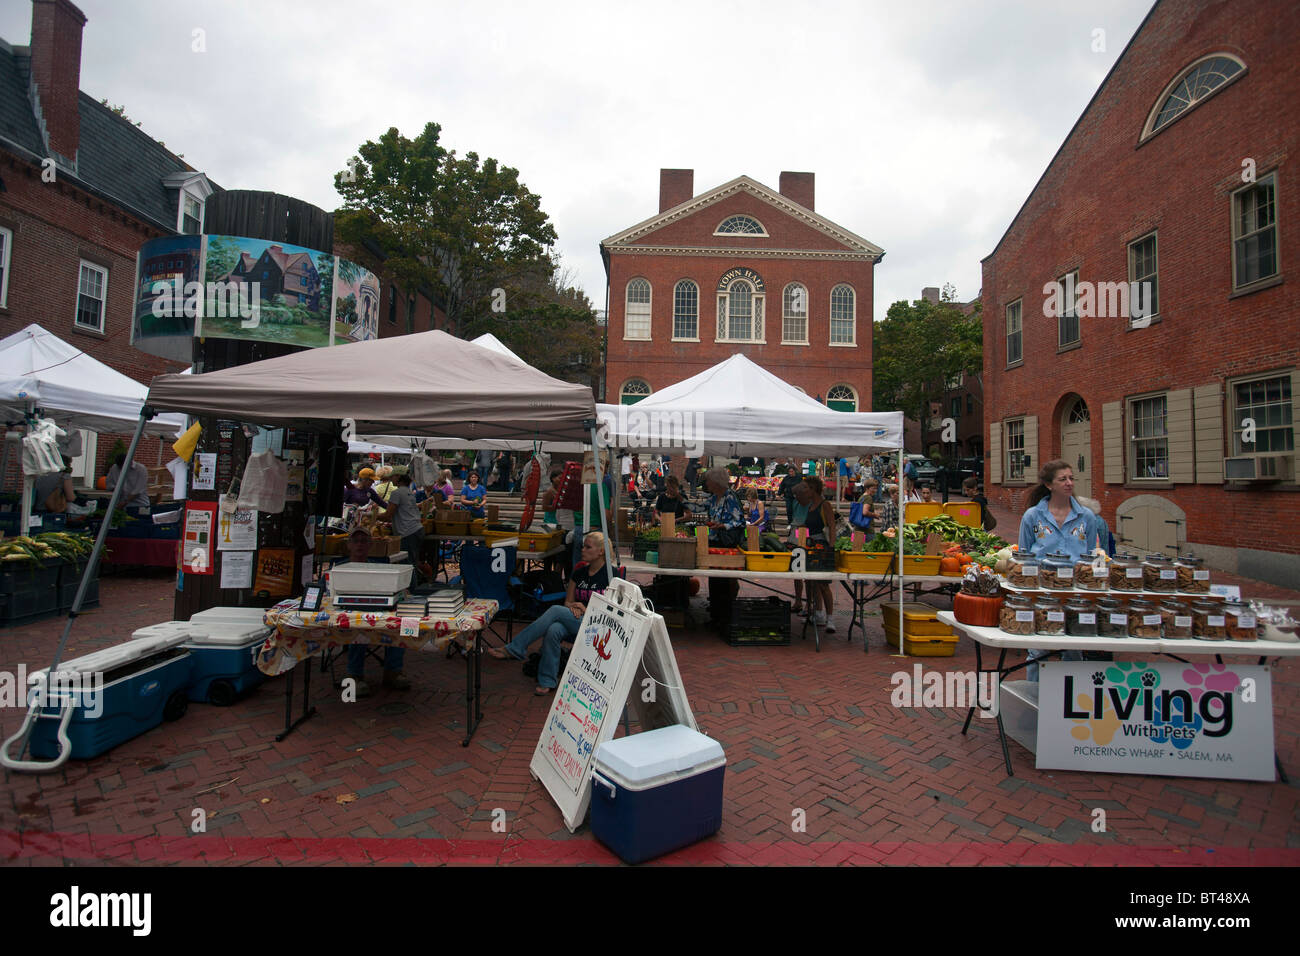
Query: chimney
(799,188)
(930,294)
(675,187)
(56,73)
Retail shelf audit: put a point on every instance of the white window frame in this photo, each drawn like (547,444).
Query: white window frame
(1009,470)
(649,310)
(1135,280)
(741,215)
(853,393)
(6,256)
(1235,417)
(1163,98)
(1019,306)
(1237,286)
(677,286)
(180,212)
(757,315)
(103,301)
(853,319)
(1067,307)
(795,317)
(623,389)
(1131,442)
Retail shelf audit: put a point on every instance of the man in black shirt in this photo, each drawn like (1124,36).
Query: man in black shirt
(786,491)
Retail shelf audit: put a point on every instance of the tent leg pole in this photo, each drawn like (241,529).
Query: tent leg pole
(604,524)
(902,516)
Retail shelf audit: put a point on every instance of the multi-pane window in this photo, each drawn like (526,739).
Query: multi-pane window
(842,314)
(740,311)
(842,398)
(1203,79)
(191,215)
(1254,232)
(686,310)
(1149,445)
(633,391)
(1016,450)
(740,225)
(954,407)
(1067,300)
(1262,411)
(794,314)
(6,244)
(637,324)
(1015,347)
(1144,292)
(92,290)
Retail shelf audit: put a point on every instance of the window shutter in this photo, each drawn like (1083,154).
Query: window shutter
(995,453)
(1295,425)
(1112,432)
(1207,402)
(1031,449)
(1179,430)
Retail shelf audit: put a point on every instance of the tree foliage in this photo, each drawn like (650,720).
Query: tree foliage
(460,226)
(918,348)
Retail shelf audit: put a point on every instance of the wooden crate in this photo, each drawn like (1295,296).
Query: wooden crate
(677,553)
(383,547)
(724,562)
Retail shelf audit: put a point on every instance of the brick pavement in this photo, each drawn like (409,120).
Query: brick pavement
(802,731)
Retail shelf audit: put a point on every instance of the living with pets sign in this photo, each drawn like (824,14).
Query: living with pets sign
(1204,719)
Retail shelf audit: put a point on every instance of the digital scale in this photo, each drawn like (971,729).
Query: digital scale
(368,601)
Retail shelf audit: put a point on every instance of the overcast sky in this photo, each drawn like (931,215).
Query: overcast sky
(927,123)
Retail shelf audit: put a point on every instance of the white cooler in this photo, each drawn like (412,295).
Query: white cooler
(656,792)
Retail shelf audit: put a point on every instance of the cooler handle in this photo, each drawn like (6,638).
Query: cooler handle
(38,766)
(597,778)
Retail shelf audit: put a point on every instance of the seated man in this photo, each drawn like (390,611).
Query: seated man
(560,624)
(359,553)
(135,486)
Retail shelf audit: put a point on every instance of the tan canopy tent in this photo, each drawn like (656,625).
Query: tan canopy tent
(430,383)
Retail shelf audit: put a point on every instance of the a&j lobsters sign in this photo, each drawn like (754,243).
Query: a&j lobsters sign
(1184,720)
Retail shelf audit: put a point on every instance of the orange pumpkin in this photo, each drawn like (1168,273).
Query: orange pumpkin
(976,609)
(950,564)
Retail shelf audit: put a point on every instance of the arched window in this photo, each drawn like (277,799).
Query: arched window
(842,398)
(634,389)
(843,316)
(794,314)
(740,226)
(1194,85)
(637,319)
(686,310)
(1079,413)
(740,313)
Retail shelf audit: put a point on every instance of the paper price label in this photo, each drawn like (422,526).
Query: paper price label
(1025,617)
(1245,620)
(1150,618)
(1168,574)
(1101,572)
(1216,620)
(1181,621)
(1029,570)
(1056,616)
(1065,573)
(1132,572)
(410,627)
(1120,619)
(1087,618)
(1201,575)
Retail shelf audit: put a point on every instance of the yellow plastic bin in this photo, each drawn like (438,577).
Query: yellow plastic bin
(767,561)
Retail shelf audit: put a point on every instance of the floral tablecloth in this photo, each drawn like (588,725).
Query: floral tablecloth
(762,483)
(298,635)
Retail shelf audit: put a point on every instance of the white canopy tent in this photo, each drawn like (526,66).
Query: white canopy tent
(40,373)
(740,408)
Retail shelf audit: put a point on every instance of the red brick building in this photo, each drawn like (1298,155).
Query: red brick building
(1178,407)
(740,268)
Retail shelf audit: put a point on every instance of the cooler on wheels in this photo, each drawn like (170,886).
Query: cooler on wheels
(656,792)
(224,642)
(144,682)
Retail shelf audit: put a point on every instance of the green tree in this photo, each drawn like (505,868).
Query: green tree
(918,348)
(223,255)
(457,225)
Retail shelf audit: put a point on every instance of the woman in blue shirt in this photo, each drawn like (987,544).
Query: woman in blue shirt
(1056,522)
(472,495)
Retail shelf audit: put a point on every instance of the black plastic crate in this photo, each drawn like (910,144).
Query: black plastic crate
(774,635)
(24,607)
(69,578)
(820,559)
(760,613)
(640,546)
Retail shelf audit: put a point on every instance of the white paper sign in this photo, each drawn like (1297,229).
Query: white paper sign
(308,568)
(1186,720)
(205,471)
(237,569)
(237,532)
(410,627)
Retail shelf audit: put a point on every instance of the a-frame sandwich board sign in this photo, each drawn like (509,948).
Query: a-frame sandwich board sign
(621,642)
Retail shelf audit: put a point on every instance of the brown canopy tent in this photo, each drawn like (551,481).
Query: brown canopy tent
(429,383)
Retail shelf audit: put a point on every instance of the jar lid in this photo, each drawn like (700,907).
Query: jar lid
(1108,602)
(1157,559)
(1173,605)
(1079,604)
(1047,602)
(1125,556)
(1190,559)
(1018,600)
(1140,604)
(1058,557)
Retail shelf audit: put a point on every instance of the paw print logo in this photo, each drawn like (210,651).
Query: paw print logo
(1203,677)
(1136,675)
(1098,678)
(1163,729)
(1101,731)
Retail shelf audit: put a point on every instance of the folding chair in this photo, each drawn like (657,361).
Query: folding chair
(481,581)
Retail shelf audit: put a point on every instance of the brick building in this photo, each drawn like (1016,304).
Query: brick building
(1175,178)
(739,269)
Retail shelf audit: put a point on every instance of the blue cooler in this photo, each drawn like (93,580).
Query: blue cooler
(224,642)
(656,792)
(144,682)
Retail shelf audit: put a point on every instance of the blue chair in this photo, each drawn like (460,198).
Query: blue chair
(481,581)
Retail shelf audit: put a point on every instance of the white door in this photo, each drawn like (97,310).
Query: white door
(1076,446)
